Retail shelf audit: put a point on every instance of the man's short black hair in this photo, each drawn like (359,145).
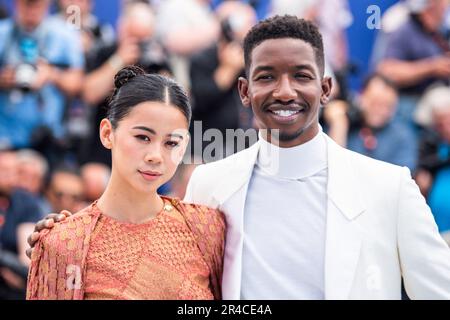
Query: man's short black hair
(286,26)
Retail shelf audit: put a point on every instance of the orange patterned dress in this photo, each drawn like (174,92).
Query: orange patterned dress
(176,255)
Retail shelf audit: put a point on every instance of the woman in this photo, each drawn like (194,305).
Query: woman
(132,243)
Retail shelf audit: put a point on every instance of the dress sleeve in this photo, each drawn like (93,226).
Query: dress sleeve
(58,260)
(208,226)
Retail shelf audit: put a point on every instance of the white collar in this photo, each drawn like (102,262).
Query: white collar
(295,163)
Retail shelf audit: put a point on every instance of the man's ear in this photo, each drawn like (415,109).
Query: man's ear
(106,133)
(243,92)
(327,84)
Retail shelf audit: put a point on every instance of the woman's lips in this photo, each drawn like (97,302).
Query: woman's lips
(150,175)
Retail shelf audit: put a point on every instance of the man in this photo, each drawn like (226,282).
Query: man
(65,190)
(369,126)
(316,221)
(185,27)
(416,54)
(19,211)
(41,64)
(324,222)
(32,169)
(215,70)
(95,178)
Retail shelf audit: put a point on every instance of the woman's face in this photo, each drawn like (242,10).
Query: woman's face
(147,145)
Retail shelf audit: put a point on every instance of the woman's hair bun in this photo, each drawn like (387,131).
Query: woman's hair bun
(126,74)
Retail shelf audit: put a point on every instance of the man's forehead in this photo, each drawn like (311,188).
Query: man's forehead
(288,52)
(282,45)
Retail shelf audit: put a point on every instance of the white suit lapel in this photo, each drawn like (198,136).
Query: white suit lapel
(231,198)
(343,235)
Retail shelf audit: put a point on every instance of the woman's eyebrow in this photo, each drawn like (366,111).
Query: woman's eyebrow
(145,129)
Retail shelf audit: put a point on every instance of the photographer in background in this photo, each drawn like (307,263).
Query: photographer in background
(135,45)
(19,211)
(367,124)
(214,72)
(40,64)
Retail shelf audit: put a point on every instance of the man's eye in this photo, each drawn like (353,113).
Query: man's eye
(143,137)
(264,77)
(303,76)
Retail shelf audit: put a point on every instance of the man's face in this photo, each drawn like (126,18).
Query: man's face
(434,13)
(378,103)
(8,172)
(31,13)
(65,192)
(30,176)
(285,88)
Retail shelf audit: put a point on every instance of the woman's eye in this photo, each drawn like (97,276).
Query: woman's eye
(143,138)
(172,144)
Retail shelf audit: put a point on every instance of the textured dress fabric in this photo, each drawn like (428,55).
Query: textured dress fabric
(176,255)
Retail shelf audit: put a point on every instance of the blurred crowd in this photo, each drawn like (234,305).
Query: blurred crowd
(58,60)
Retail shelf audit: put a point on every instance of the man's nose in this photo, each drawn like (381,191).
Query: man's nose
(284,90)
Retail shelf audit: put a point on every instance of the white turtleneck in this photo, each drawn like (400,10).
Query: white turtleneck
(284,223)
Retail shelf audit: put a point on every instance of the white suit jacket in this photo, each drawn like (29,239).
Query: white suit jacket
(379,227)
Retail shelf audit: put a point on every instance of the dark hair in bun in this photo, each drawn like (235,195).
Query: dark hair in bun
(133,86)
(126,74)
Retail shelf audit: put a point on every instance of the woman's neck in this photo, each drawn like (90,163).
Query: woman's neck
(121,202)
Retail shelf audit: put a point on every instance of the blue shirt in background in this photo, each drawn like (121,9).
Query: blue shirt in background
(396,143)
(23,207)
(21,112)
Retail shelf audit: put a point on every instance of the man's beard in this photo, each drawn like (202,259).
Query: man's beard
(286,137)
(277,135)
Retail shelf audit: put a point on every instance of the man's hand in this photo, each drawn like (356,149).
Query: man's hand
(335,115)
(441,66)
(7,78)
(47,223)
(12,279)
(128,52)
(45,73)
(231,63)
(335,112)
(232,56)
